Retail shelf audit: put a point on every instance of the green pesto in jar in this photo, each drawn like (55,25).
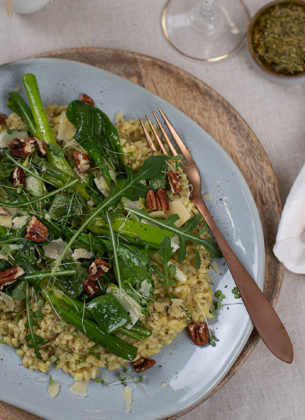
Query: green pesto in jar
(278,38)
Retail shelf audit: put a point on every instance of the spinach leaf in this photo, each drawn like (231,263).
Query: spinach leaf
(107,311)
(4,265)
(96,134)
(73,285)
(136,274)
(160,180)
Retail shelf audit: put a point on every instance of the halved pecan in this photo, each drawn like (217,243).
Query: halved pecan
(36,231)
(81,161)
(97,268)
(199,333)
(174,182)
(90,287)
(162,196)
(150,201)
(143,364)
(10,275)
(3,117)
(21,147)
(18,177)
(86,98)
(41,146)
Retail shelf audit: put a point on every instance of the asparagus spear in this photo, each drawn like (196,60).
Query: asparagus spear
(110,342)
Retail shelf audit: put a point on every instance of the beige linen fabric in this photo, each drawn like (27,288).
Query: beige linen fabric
(264,387)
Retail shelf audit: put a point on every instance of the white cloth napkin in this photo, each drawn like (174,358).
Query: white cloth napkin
(289,247)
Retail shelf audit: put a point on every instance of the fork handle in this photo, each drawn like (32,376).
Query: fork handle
(264,317)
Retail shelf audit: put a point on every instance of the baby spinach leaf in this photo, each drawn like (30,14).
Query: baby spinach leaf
(136,274)
(108,312)
(73,285)
(96,134)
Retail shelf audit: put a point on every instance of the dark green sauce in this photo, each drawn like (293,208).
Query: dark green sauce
(278,38)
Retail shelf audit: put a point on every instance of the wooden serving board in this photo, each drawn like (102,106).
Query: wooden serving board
(213,113)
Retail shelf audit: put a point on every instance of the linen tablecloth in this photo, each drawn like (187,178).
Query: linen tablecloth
(264,387)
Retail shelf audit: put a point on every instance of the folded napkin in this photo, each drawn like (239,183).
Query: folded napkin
(289,247)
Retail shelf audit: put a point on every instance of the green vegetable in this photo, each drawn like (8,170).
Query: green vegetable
(33,339)
(219,295)
(168,270)
(72,284)
(107,310)
(136,332)
(236,292)
(21,203)
(185,233)
(21,108)
(135,231)
(131,187)
(96,134)
(110,342)
(136,274)
(43,129)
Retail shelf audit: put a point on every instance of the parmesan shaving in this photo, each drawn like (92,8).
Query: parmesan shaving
(53,389)
(8,300)
(127,394)
(79,253)
(19,222)
(79,388)
(54,248)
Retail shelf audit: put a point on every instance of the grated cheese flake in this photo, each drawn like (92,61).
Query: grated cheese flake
(127,394)
(79,388)
(53,388)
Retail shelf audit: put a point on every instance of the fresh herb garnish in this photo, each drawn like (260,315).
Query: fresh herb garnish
(219,295)
(236,292)
(166,275)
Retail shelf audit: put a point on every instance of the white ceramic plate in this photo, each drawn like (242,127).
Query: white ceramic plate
(190,372)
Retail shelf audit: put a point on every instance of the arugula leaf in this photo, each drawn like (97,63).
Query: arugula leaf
(96,134)
(169,270)
(185,233)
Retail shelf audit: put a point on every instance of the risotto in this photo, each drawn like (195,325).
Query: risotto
(68,348)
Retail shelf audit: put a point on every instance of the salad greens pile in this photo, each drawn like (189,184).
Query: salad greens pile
(77,216)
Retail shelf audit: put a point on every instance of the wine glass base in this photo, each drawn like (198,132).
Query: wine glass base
(201,37)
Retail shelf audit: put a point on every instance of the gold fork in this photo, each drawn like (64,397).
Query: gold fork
(264,317)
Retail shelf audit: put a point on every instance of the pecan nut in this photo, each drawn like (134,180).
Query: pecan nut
(21,147)
(86,98)
(151,201)
(41,146)
(36,231)
(199,333)
(10,275)
(90,287)
(18,177)
(174,182)
(162,196)
(97,268)
(143,364)
(81,161)
(3,117)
